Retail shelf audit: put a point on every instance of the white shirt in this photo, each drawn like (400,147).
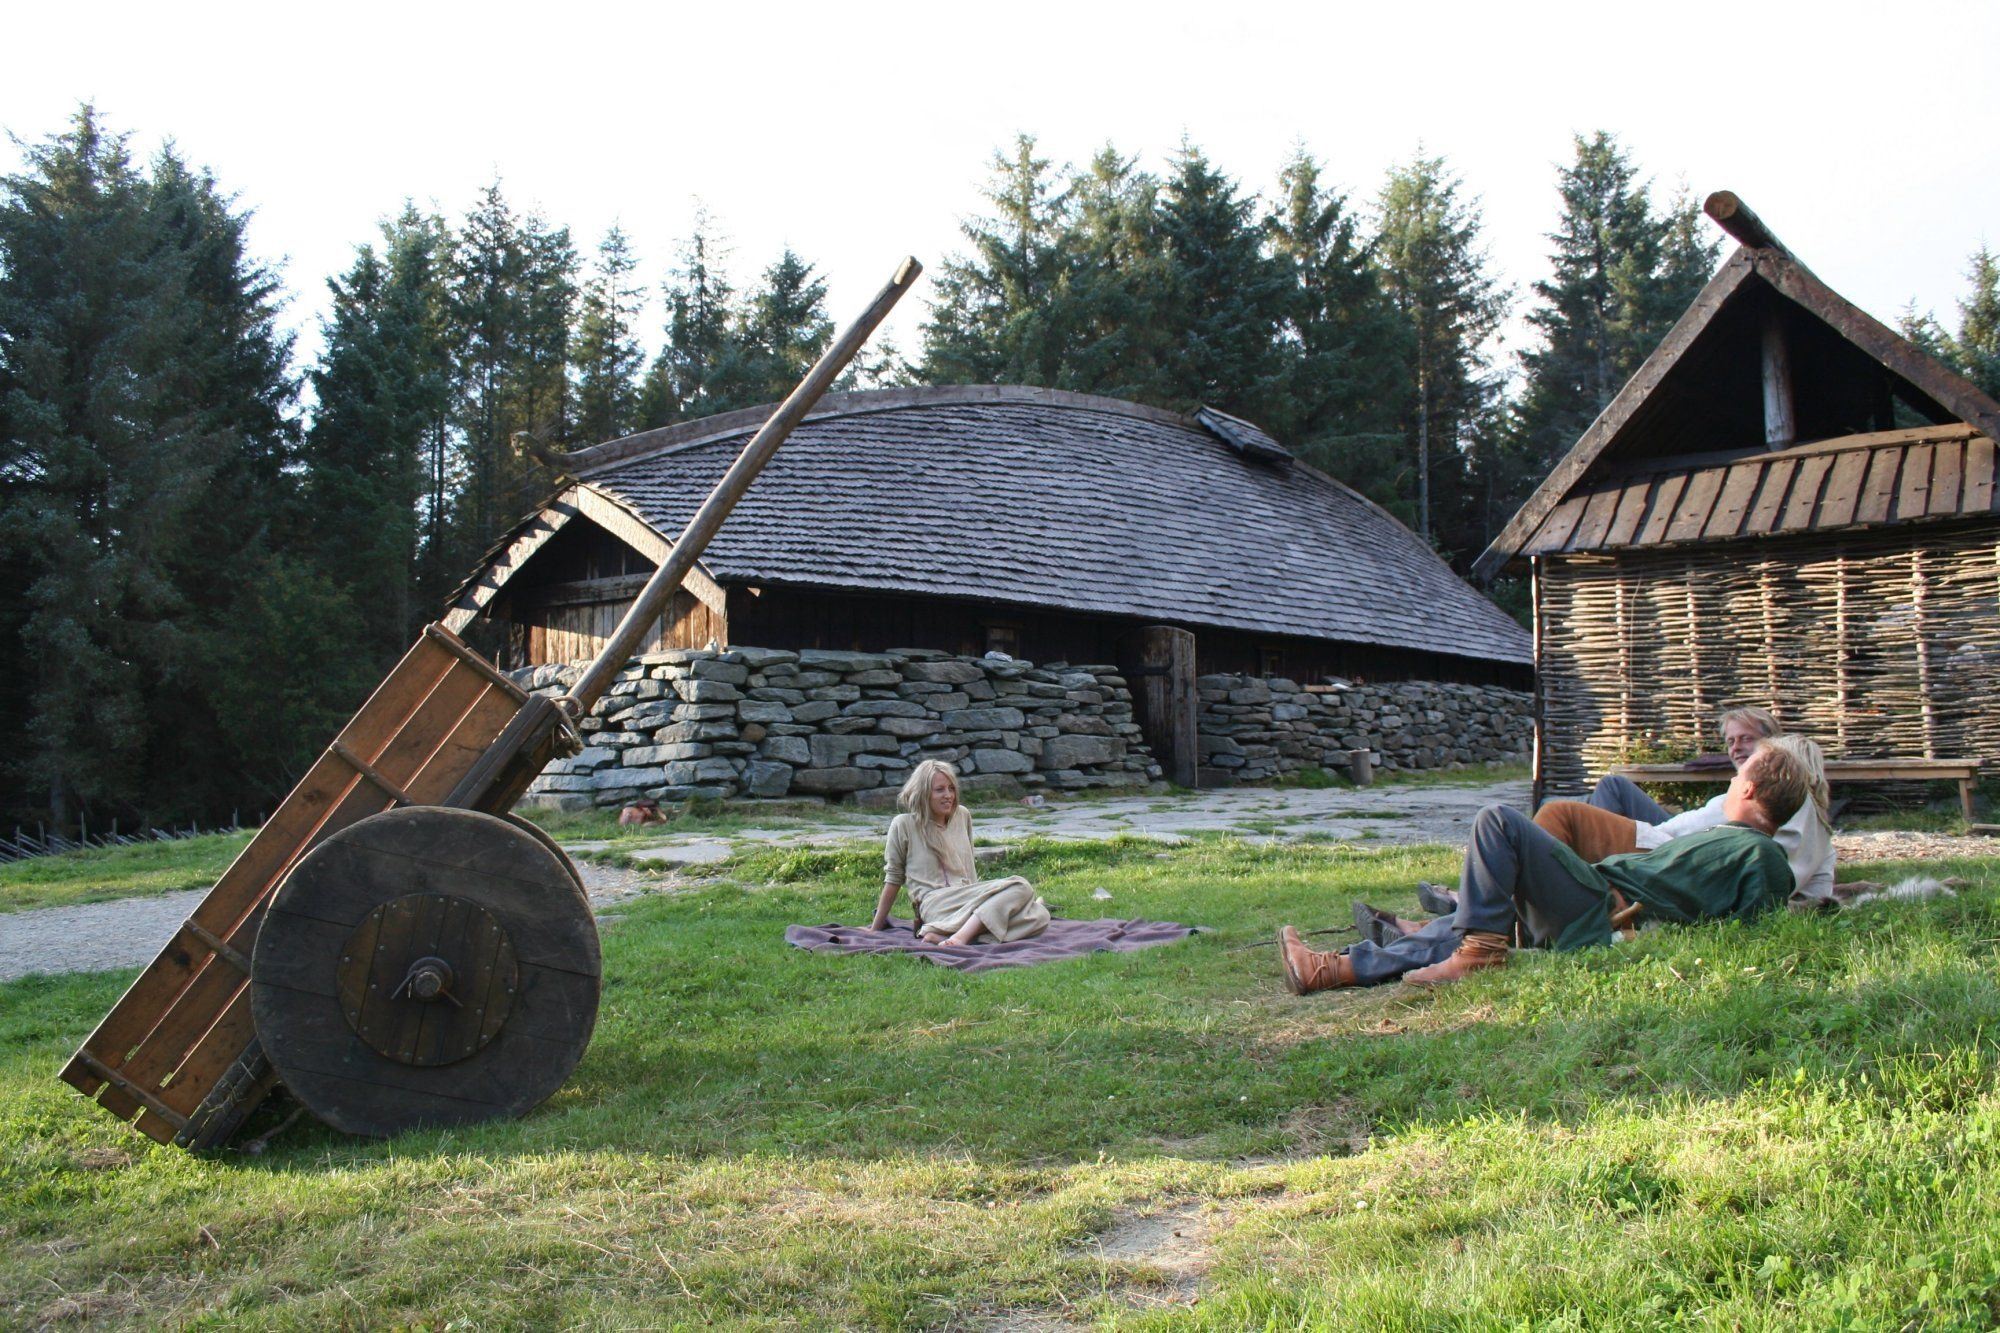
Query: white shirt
(1805,839)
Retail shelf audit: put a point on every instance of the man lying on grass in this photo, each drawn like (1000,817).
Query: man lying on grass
(1515,871)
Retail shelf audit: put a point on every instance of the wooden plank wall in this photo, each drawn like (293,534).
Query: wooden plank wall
(1873,643)
(577,633)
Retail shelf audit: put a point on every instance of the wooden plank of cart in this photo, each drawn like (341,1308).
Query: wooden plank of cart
(1965,772)
(392,945)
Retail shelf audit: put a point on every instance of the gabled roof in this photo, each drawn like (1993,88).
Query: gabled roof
(1044,498)
(1695,406)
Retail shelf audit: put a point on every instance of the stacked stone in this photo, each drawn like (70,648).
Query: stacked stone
(757,722)
(1254,729)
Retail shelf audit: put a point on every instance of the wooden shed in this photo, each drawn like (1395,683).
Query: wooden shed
(1788,505)
(1044,524)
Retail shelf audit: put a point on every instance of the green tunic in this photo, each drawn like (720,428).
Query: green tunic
(1729,872)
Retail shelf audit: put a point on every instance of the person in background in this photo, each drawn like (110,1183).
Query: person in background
(930,853)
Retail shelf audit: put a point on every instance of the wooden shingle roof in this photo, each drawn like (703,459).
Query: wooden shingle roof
(1678,455)
(1897,476)
(1045,498)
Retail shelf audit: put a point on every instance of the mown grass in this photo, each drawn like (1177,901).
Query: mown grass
(1793,1124)
(100,874)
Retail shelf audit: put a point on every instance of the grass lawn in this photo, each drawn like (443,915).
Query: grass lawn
(1793,1124)
(100,874)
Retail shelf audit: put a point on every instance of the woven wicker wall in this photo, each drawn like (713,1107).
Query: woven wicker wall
(1875,644)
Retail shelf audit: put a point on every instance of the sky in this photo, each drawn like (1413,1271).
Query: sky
(1862,133)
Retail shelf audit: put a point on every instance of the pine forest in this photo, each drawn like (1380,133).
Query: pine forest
(209,546)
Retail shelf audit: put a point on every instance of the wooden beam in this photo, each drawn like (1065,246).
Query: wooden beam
(614,517)
(1780,421)
(478,593)
(1734,216)
(1951,391)
(1646,467)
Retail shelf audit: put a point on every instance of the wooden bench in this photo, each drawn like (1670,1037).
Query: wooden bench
(1965,772)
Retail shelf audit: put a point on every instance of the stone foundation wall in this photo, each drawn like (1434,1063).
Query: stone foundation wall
(1254,729)
(755,722)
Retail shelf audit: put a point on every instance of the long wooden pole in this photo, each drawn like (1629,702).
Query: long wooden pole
(1734,216)
(632,630)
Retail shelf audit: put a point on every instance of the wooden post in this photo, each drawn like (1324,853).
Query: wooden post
(1780,424)
(1842,689)
(1541,690)
(1167,701)
(1919,596)
(1734,216)
(1361,767)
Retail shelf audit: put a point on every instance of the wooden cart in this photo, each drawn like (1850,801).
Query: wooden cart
(393,945)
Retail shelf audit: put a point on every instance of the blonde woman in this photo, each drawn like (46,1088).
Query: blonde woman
(930,853)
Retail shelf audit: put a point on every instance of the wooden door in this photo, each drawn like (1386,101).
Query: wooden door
(1163,689)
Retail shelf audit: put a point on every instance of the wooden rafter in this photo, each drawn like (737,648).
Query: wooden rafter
(582,501)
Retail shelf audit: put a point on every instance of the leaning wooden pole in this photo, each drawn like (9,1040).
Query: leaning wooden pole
(694,539)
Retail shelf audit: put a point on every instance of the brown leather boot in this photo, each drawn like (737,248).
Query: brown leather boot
(1479,948)
(1308,970)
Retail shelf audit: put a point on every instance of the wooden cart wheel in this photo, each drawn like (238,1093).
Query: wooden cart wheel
(426,966)
(541,835)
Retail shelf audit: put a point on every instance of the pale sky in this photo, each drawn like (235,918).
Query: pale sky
(1864,134)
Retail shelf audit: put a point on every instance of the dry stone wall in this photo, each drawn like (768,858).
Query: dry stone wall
(757,722)
(1254,729)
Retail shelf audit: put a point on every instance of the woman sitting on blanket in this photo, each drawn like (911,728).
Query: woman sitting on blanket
(930,851)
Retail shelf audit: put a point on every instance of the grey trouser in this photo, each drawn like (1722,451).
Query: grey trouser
(1621,796)
(1509,861)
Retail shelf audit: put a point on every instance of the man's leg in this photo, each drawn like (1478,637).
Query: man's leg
(1364,963)
(1508,857)
(1621,796)
(1590,832)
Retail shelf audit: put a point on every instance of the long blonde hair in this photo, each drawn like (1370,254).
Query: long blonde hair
(1813,760)
(915,801)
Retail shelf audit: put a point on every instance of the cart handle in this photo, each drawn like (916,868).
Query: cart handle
(631,631)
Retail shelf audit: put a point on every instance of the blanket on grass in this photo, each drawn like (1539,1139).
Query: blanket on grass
(1063,939)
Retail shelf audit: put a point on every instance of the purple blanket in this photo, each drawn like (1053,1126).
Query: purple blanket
(1063,939)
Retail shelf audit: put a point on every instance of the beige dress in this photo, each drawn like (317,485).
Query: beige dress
(945,896)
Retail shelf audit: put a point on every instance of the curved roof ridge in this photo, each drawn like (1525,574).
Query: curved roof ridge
(856,402)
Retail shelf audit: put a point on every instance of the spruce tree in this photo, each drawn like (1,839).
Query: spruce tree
(1976,348)
(607,355)
(1343,340)
(1111,339)
(488,319)
(991,319)
(1434,271)
(147,444)
(1622,273)
(1223,298)
(701,312)
(786,326)
(383,391)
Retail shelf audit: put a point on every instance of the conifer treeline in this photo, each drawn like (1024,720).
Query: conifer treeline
(200,577)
